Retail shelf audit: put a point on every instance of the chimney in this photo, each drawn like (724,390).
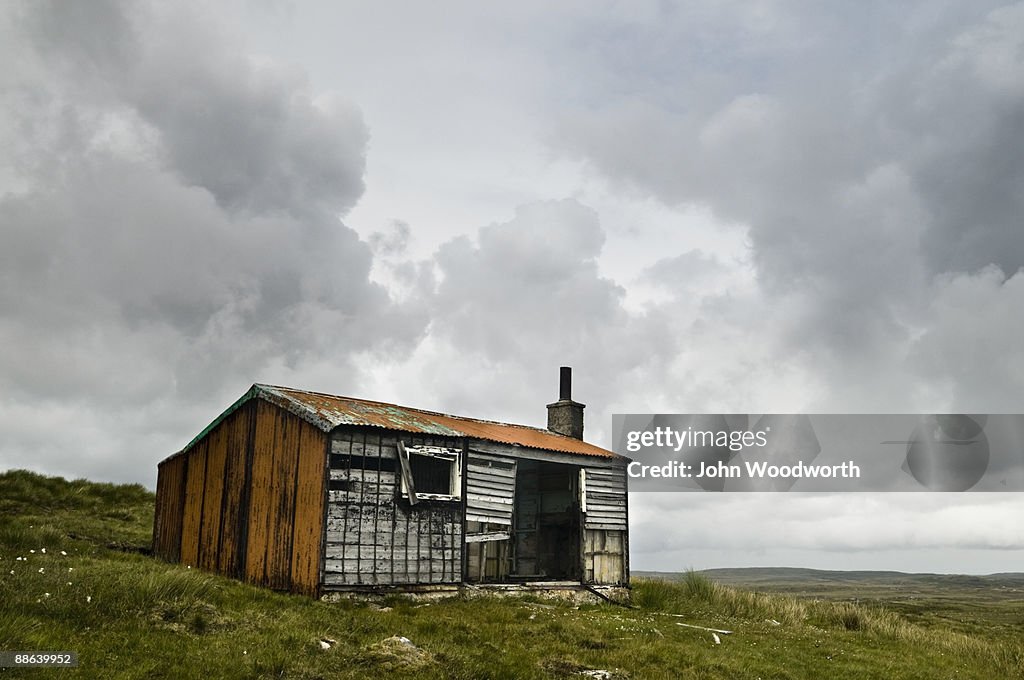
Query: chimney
(565,416)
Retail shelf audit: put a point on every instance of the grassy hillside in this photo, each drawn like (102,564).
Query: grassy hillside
(129,615)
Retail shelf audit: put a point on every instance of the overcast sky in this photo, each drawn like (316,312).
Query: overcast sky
(748,207)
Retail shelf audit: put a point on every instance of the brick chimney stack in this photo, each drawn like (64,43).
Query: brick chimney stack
(565,416)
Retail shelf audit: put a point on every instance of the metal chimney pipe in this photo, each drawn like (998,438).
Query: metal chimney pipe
(565,384)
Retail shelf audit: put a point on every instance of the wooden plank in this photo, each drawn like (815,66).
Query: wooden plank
(606,475)
(608,498)
(261,502)
(498,481)
(493,519)
(485,472)
(499,506)
(597,482)
(172,502)
(619,490)
(213,492)
(491,458)
(163,483)
(489,487)
(403,460)
(193,510)
(348,551)
(342,445)
(605,512)
(158,510)
(309,510)
(607,526)
(384,477)
(489,536)
(234,507)
(489,498)
(282,499)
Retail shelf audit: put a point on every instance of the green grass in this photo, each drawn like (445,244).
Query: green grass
(129,615)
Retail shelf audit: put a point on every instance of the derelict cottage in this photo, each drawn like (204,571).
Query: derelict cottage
(314,494)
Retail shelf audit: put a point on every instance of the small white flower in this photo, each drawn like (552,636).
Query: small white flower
(63,553)
(70,568)
(88,598)
(44,551)
(40,570)
(12,572)
(18,559)
(69,582)
(46,594)
(32,551)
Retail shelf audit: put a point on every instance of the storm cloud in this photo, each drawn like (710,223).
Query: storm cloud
(172,227)
(717,207)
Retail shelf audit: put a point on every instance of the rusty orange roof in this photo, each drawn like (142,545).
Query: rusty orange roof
(327,411)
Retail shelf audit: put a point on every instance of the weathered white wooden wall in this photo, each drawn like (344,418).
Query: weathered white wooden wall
(374,536)
(490,493)
(606,526)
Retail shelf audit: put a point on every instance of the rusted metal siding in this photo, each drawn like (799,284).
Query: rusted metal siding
(310,501)
(258,527)
(170,501)
(376,537)
(247,499)
(235,498)
(213,498)
(193,510)
(283,472)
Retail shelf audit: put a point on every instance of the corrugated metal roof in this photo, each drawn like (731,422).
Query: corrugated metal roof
(327,411)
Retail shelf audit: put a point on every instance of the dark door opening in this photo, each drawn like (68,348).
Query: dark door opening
(546,522)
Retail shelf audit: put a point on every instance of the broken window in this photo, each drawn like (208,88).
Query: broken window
(430,473)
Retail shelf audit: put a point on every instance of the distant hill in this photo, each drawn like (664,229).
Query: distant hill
(778,577)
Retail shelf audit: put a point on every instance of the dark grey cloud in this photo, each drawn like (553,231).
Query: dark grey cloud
(866,153)
(171,227)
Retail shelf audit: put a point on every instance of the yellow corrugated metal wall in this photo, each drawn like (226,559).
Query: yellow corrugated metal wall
(247,500)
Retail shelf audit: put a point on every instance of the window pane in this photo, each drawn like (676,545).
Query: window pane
(431,475)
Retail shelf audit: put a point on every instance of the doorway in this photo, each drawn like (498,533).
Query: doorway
(546,522)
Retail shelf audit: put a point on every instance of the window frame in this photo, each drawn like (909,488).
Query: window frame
(407,488)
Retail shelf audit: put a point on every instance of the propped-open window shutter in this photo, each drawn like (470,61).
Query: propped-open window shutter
(403,459)
(583,490)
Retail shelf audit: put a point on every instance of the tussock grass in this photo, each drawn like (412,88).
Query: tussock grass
(22,490)
(133,616)
(866,619)
(664,595)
